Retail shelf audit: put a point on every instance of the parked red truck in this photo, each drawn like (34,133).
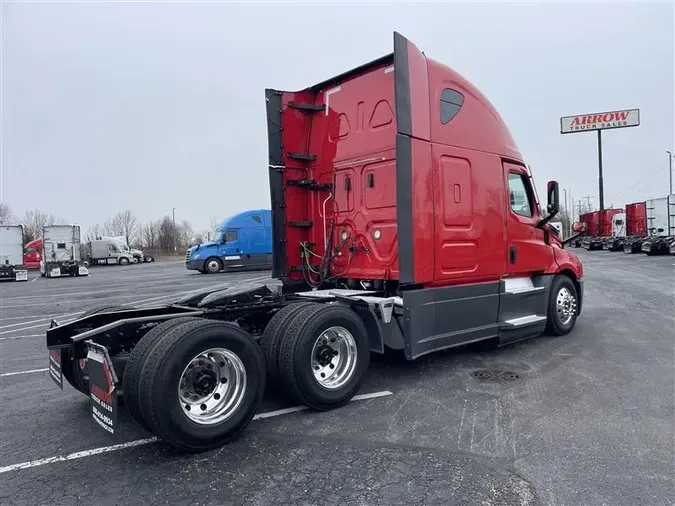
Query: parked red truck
(605,230)
(636,226)
(404,217)
(591,239)
(33,254)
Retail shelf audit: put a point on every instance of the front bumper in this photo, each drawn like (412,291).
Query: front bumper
(194,265)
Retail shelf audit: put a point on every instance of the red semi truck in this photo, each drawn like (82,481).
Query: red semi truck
(598,228)
(591,221)
(33,254)
(636,226)
(404,217)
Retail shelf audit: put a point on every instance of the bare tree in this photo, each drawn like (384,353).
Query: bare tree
(93,232)
(198,238)
(150,235)
(203,236)
(34,222)
(185,234)
(126,224)
(6,216)
(213,224)
(107,228)
(167,234)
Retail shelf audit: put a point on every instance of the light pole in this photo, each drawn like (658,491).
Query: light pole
(670,172)
(175,232)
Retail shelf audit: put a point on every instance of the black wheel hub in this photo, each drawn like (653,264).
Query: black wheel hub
(325,354)
(204,383)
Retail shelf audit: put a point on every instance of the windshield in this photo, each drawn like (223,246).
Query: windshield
(218,237)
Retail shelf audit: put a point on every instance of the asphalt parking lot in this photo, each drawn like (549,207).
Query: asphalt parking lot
(587,419)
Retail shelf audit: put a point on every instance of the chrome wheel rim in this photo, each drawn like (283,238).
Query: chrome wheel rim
(212,386)
(333,358)
(213,266)
(566,305)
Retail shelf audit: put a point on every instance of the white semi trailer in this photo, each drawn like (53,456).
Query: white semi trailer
(11,253)
(660,225)
(61,252)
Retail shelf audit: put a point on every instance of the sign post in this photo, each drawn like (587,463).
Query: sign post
(600,121)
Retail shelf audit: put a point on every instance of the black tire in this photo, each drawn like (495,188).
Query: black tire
(160,377)
(72,371)
(555,324)
(148,259)
(210,265)
(123,261)
(270,342)
(134,366)
(295,352)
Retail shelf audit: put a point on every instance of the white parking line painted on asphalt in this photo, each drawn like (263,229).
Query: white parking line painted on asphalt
(21,372)
(144,303)
(102,289)
(140,442)
(11,338)
(139,303)
(65,300)
(3,318)
(40,325)
(38,320)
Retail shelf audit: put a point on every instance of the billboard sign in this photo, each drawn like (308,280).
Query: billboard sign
(600,121)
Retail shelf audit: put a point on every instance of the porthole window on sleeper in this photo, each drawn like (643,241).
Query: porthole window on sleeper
(451,103)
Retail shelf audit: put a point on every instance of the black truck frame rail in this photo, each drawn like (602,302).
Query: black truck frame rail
(121,327)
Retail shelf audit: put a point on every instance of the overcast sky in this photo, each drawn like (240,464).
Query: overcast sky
(150,106)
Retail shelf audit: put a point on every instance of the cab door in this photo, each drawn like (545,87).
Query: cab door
(527,253)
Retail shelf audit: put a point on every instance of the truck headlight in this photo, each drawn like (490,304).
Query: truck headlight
(195,256)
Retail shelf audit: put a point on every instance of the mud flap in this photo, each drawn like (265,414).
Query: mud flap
(102,387)
(55,371)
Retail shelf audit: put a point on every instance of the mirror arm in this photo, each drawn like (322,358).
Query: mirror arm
(543,221)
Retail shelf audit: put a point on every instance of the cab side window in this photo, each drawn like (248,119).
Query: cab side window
(231,236)
(519,196)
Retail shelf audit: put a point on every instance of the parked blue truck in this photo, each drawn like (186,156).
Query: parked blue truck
(243,243)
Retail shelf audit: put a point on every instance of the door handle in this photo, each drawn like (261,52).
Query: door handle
(512,254)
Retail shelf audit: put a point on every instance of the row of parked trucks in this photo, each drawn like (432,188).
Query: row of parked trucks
(641,227)
(60,252)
